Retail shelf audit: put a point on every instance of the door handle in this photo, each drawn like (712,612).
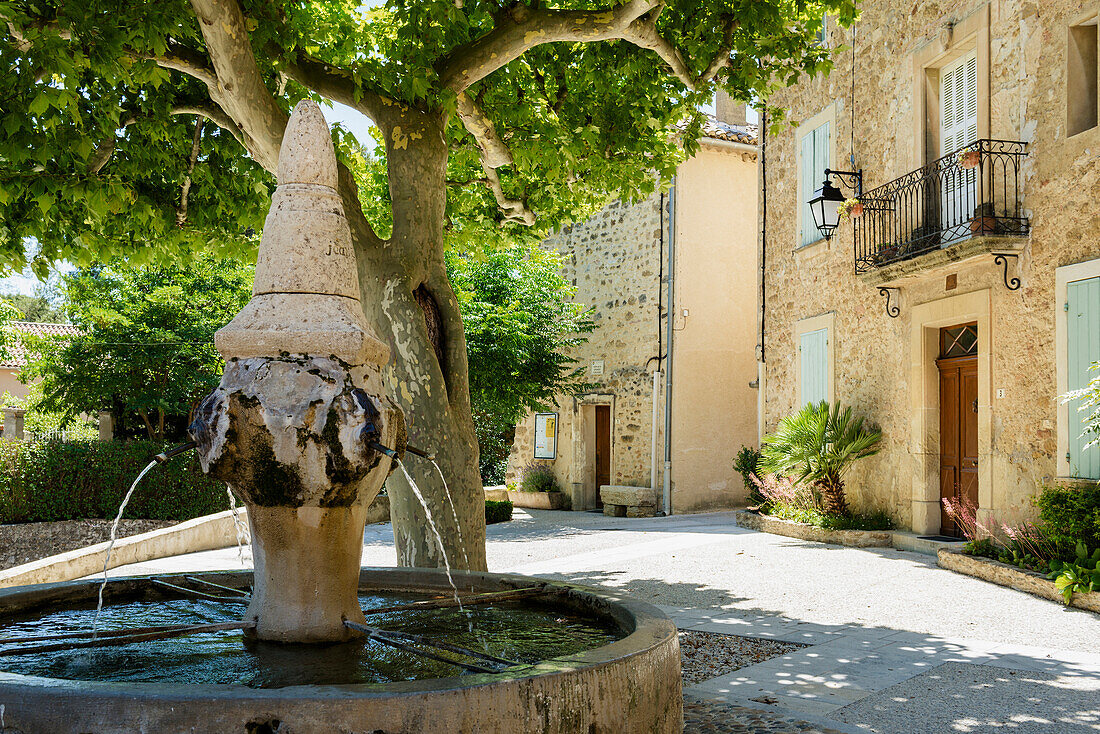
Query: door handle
(975,405)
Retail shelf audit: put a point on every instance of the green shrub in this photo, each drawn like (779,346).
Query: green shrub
(817,446)
(1070,515)
(497,511)
(538,478)
(875,520)
(48,481)
(747,464)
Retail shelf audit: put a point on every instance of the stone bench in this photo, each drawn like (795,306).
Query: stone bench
(628,501)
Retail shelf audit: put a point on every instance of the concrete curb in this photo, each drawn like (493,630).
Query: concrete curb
(850,538)
(1020,579)
(209,532)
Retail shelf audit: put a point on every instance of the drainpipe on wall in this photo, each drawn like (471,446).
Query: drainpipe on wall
(653,432)
(667,489)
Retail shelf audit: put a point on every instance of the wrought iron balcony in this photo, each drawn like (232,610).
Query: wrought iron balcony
(969,193)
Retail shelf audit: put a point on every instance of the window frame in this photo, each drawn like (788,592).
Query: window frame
(825,116)
(1063,277)
(826,322)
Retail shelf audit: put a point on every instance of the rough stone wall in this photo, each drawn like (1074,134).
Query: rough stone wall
(1027,53)
(614,261)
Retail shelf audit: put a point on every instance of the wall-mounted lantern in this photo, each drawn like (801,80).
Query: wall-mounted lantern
(825,204)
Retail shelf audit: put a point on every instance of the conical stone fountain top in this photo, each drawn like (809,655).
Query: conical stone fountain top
(301,397)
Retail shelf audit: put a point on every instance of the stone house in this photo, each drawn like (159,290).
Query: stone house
(704,233)
(965,297)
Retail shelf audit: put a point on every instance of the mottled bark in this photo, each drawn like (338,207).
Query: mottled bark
(433,393)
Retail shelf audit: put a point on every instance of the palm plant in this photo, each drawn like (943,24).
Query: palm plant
(818,445)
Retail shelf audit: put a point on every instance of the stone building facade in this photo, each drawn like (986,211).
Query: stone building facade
(619,261)
(995,242)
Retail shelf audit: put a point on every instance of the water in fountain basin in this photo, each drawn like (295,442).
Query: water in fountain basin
(114,537)
(526,632)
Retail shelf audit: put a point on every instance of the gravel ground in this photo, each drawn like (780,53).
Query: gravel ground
(706,655)
(958,697)
(25,542)
(712,717)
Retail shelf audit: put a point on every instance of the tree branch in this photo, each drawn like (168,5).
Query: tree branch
(185,189)
(722,57)
(338,85)
(643,34)
(241,90)
(522,28)
(493,154)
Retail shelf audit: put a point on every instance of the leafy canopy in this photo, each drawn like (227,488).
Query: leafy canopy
(147,349)
(548,109)
(521,326)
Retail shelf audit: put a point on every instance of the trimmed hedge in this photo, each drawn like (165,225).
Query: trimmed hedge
(497,511)
(49,481)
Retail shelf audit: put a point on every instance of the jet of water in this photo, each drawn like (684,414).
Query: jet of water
(435,531)
(111,543)
(238,524)
(454,510)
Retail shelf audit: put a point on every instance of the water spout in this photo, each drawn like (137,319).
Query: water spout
(175,451)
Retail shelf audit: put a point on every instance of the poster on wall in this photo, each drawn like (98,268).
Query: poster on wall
(546,435)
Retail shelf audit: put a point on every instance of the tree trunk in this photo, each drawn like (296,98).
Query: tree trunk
(408,298)
(833,499)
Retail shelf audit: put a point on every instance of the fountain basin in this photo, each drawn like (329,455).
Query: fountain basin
(630,685)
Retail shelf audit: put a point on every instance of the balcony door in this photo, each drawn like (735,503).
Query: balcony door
(958,127)
(958,368)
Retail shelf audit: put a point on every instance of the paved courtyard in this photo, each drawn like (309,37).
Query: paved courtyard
(893,643)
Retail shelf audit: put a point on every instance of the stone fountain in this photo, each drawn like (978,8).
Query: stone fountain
(300,401)
(303,431)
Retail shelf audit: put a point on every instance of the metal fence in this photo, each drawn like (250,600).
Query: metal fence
(973,191)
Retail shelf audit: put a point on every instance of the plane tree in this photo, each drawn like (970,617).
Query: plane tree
(150,130)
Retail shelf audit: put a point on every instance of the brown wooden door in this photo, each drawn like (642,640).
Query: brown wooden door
(958,436)
(603,446)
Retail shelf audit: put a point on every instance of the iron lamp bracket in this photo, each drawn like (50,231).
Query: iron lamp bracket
(893,310)
(1001,258)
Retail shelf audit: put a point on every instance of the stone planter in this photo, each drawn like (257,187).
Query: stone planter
(802,531)
(538,500)
(1020,579)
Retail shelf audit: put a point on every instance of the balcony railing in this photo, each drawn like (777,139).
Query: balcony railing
(971,192)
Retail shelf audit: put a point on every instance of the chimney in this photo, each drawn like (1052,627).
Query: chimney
(729,110)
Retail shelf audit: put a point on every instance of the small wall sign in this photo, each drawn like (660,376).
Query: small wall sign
(546,435)
(596,369)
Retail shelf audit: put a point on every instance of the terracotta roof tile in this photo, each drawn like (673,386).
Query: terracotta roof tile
(17,352)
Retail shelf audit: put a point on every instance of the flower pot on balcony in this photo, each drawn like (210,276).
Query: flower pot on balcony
(970,159)
(857,210)
(983,225)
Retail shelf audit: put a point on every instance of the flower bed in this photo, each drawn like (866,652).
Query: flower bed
(1013,577)
(804,531)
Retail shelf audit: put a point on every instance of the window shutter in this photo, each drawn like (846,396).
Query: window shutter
(1083,345)
(814,159)
(958,127)
(809,183)
(813,349)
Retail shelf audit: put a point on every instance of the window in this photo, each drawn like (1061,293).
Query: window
(1081,78)
(814,159)
(959,341)
(813,349)
(1083,349)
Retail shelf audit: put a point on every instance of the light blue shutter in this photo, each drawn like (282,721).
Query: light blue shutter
(809,182)
(814,160)
(1083,336)
(813,350)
